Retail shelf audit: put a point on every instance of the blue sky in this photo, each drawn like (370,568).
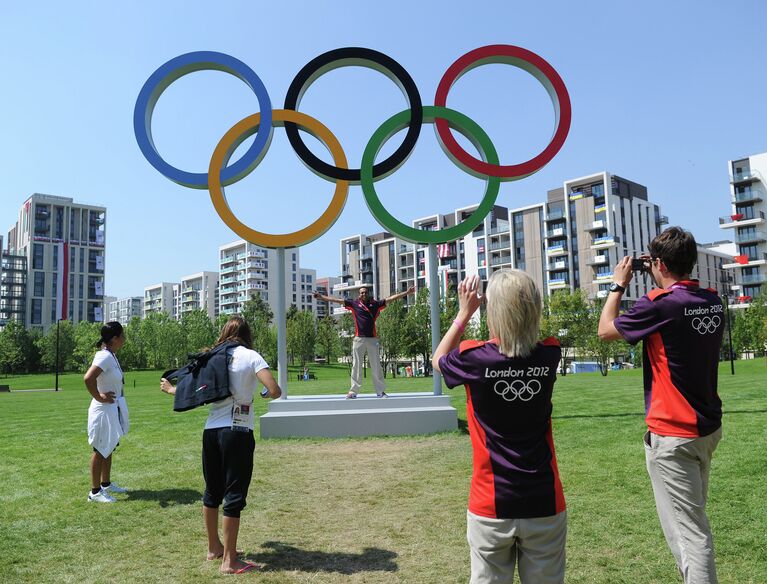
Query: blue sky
(663,93)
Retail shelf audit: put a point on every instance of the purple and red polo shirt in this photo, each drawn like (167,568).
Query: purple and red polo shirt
(508,406)
(365,315)
(682,329)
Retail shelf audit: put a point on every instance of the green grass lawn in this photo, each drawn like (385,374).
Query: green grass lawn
(368,510)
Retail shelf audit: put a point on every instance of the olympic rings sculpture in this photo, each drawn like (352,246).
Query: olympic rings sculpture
(517,389)
(706,324)
(221,173)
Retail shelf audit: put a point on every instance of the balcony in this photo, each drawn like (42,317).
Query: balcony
(501,228)
(556,232)
(661,219)
(750,196)
(740,219)
(557,250)
(555,283)
(602,276)
(229,270)
(558,265)
(228,259)
(597,225)
(498,260)
(598,260)
(503,244)
(556,215)
(754,279)
(605,241)
(742,261)
(751,236)
(744,177)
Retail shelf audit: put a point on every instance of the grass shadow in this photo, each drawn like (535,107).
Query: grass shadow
(167,497)
(463,426)
(284,557)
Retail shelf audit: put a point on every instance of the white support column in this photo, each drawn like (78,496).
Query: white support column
(434,305)
(282,329)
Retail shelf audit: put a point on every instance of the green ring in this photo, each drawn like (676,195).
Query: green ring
(462,124)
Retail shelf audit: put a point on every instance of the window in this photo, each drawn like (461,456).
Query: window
(54,285)
(37,311)
(55,257)
(294,258)
(750,251)
(37,256)
(309,278)
(39,289)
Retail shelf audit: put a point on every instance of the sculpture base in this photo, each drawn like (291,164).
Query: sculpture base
(334,416)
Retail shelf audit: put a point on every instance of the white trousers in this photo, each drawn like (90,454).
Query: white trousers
(535,545)
(361,346)
(679,469)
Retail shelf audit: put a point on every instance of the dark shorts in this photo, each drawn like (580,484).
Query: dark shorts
(227,465)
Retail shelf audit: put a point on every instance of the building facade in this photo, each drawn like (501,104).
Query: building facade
(123,310)
(161,297)
(197,292)
(324,285)
(246,269)
(64,245)
(748,192)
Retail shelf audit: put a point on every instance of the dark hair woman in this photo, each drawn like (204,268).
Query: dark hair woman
(108,412)
(228,444)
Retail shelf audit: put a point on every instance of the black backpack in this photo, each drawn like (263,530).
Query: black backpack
(204,380)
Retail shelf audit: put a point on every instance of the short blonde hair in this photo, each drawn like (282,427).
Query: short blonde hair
(514,312)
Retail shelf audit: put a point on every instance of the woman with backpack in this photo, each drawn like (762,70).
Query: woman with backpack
(228,443)
(516,516)
(108,412)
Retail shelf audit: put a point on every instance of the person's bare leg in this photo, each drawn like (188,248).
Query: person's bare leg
(215,547)
(97,461)
(230,563)
(106,470)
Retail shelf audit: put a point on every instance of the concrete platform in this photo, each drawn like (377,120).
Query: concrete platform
(334,416)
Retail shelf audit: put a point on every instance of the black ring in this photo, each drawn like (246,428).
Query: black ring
(345,57)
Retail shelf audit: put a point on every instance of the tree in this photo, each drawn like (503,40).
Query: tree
(603,353)
(66,347)
(133,353)
(258,315)
(301,336)
(448,309)
(85,336)
(198,330)
(13,341)
(565,316)
(749,328)
(418,328)
(346,336)
(327,338)
(391,333)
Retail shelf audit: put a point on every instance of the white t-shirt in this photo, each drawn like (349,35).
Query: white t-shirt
(111,377)
(243,383)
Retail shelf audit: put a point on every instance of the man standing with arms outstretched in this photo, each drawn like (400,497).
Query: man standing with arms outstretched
(365,311)
(681,325)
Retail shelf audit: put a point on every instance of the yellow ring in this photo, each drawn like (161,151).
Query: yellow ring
(229,143)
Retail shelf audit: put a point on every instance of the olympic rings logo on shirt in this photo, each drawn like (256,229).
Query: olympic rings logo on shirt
(517,389)
(221,173)
(706,324)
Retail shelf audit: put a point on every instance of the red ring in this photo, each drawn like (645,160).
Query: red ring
(499,54)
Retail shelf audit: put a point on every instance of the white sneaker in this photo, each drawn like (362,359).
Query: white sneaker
(114,488)
(351,395)
(101,497)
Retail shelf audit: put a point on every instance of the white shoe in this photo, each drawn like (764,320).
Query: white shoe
(101,497)
(351,395)
(114,488)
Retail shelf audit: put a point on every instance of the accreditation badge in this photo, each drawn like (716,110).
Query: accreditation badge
(241,417)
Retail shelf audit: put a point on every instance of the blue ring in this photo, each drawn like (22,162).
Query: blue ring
(170,72)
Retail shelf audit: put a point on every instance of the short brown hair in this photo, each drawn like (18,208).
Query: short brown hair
(677,249)
(236,329)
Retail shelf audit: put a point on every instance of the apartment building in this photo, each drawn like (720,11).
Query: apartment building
(748,192)
(13,286)
(198,291)
(570,241)
(162,297)
(324,285)
(122,310)
(63,244)
(246,269)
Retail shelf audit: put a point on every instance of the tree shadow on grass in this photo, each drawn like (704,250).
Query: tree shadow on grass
(167,497)
(284,557)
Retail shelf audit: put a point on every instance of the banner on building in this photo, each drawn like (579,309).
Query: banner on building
(62,280)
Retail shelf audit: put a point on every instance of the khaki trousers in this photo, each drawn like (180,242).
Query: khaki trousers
(369,345)
(536,544)
(679,469)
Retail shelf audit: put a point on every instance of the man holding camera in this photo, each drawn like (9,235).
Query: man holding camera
(681,325)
